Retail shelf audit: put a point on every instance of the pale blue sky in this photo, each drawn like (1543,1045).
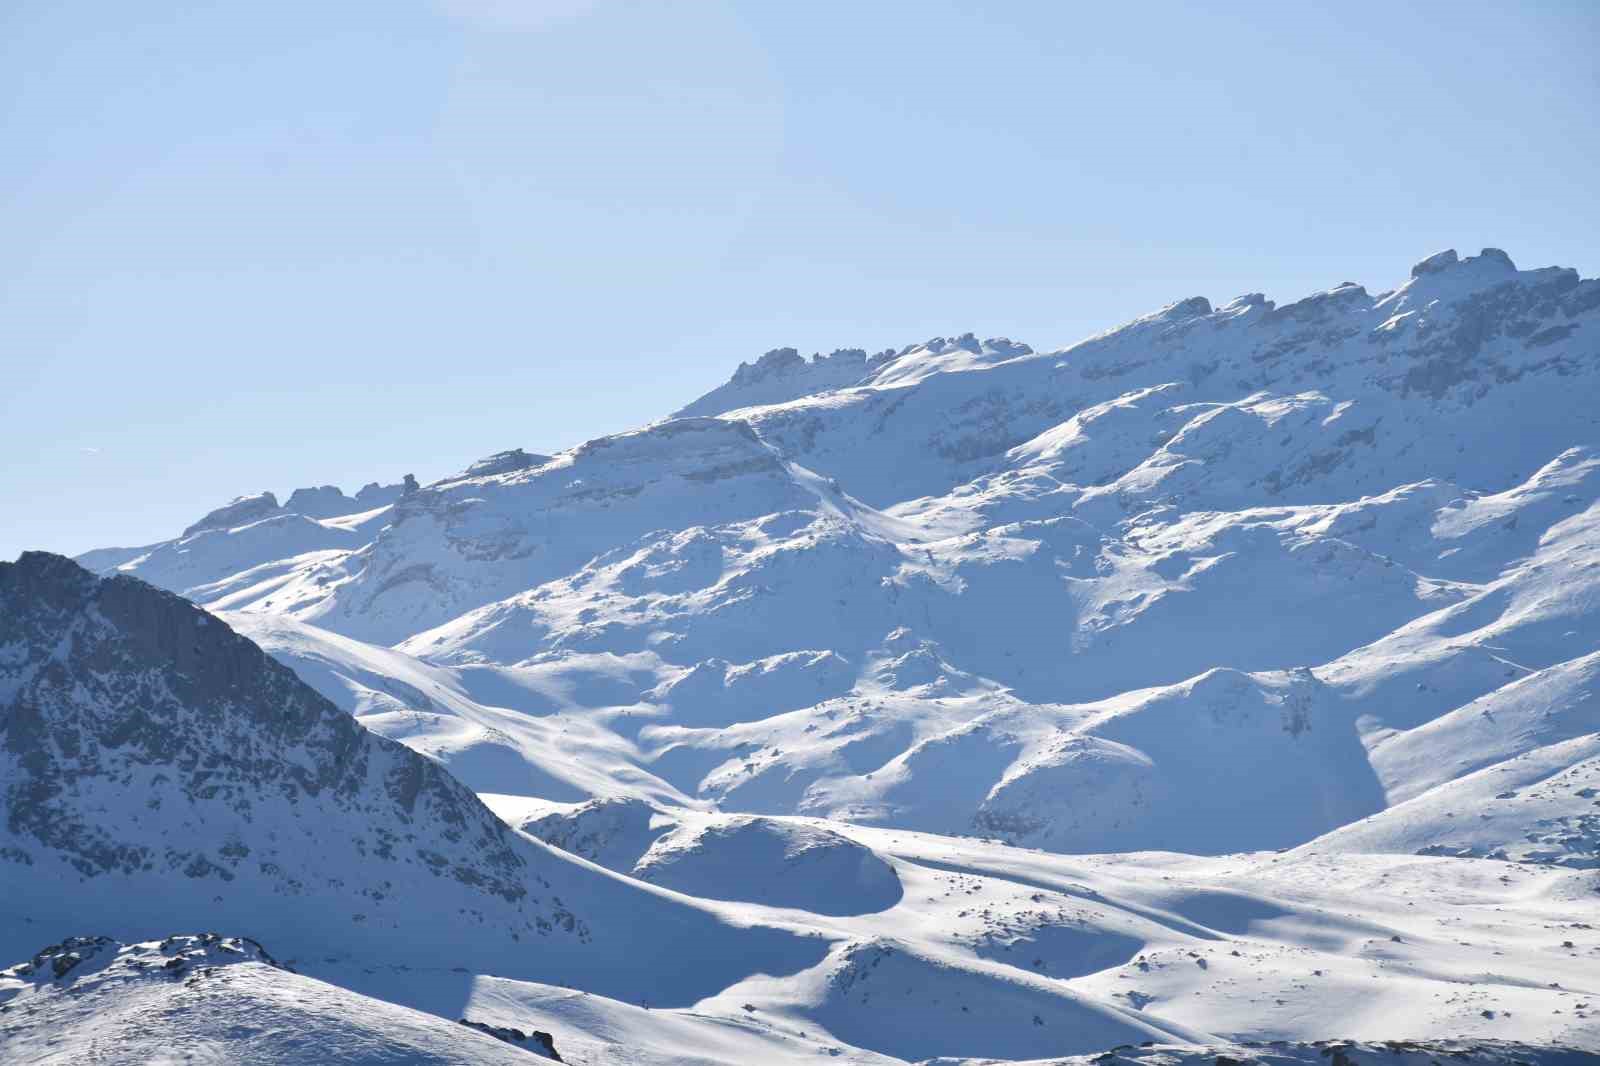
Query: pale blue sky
(254,246)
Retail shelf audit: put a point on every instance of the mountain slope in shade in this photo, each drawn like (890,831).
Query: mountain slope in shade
(144,742)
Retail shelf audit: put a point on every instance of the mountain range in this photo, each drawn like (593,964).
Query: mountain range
(1226,677)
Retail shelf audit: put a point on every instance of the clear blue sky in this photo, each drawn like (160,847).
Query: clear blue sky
(260,245)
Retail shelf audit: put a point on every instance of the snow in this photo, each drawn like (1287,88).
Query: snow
(184,999)
(1228,676)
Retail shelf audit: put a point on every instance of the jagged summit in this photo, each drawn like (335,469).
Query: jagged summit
(783,374)
(237,512)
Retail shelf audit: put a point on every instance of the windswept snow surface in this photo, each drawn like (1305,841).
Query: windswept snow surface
(1230,675)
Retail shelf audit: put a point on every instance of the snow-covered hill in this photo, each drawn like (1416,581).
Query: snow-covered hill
(205,998)
(1319,578)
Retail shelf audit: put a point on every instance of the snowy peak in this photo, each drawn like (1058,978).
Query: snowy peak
(315,502)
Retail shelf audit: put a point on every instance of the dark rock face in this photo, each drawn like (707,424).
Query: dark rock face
(140,735)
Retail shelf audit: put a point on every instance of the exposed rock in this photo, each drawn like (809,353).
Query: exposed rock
(538,1042)
(1435,263)
(323,501)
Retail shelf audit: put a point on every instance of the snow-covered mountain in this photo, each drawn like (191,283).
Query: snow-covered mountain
(969,587)
(1318,579)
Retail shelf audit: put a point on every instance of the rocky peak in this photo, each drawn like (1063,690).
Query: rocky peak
(322,501)
(966,342)
(1435,263)
(1498,257)
(240,511)
(315,501)
(1491,260)
(776,361)
(1006,346)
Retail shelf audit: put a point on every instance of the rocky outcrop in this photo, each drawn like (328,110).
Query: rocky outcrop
(537,1042)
